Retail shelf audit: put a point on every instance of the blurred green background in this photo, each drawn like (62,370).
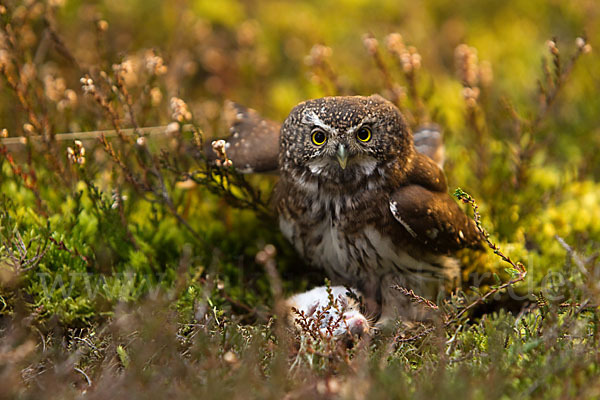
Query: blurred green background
(254,51)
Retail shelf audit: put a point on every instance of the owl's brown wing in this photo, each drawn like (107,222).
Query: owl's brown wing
(425,172)
(434,219)
(253,143)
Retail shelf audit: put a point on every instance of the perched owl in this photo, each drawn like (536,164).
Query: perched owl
(357,199)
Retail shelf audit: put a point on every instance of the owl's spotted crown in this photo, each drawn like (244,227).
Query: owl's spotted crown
(346,112)
(325,136)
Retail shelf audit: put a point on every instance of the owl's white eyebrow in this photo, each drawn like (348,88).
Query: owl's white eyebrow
(311,118)
(354,128)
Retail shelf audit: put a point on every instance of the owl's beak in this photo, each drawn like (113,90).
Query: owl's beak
(342,156)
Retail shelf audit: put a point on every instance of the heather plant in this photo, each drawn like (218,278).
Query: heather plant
(132,266)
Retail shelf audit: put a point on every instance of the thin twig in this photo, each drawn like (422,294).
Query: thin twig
(91,135)
(87,378)
(415,298)
(517,266)
(520,275)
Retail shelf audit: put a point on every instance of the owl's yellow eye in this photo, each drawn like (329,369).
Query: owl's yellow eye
(364,134)
(318,137)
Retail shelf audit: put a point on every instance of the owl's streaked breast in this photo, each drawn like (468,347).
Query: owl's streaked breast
(353,256)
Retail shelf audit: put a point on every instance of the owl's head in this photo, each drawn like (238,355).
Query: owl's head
(343,138)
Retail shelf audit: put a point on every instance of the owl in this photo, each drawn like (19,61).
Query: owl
(357,199)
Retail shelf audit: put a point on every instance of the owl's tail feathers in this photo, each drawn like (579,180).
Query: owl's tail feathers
(429,140)
(253,141)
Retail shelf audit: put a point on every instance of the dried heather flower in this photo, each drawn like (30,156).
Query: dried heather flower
(127,71)
(329,386)
(69,100)
(28,73)
(465,59)
(230,358)
(371,44)
(270,251)
(28,36)
(395,44)
(76,155)
(471,95)
(28,128)
(583,45)
(154,63)
(117,199)
(54,87)
(79,147)
(57,3)
(267,254)
(219,147)
(102,25)
(552,47)
(155,96)
(179,110)
(247,33)
(318,54)
(4,58)
(186,185)
(416,58)
(87,85)
(214,59)
(410,59)
(123,68)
